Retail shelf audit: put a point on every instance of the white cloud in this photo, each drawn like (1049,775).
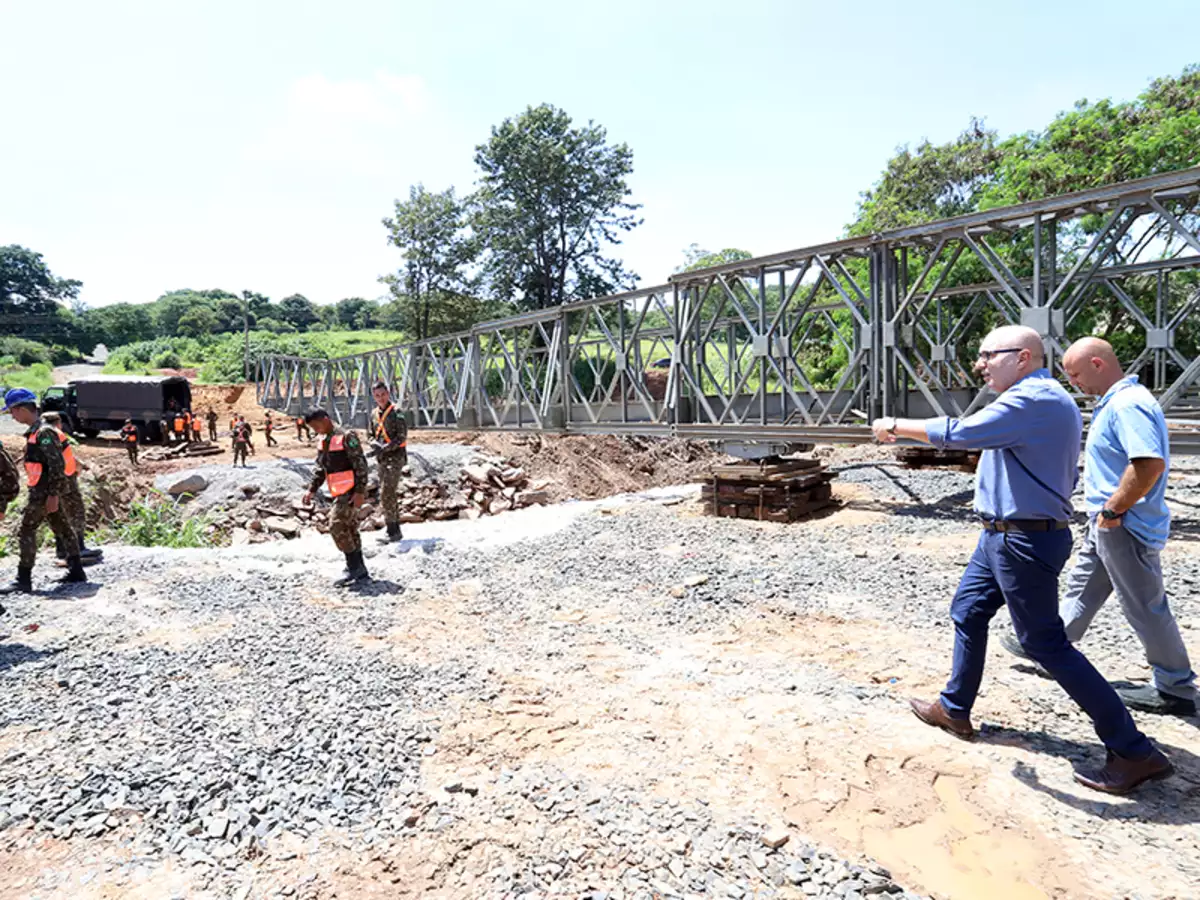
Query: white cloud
(344,123)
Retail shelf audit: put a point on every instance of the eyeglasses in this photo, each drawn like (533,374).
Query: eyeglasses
(989,355)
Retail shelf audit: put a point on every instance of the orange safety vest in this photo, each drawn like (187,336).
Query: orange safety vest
(131,435)
(339,474)
(299,421)
(69,465)
(178,425)
(33,470)
(381,428)
(196,425)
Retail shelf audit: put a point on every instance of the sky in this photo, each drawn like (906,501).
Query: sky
(155,146)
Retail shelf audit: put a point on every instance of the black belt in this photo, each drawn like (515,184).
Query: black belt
(1003,525)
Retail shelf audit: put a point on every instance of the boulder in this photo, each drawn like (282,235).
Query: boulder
(289,528)
(187,484)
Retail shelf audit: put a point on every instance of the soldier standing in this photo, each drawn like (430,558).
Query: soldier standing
(212,425)
(302,429)
(129,435)
(197,437)
(44,472)
(389,437)
(268,427)
(241,442)
(342,465)
(72,497)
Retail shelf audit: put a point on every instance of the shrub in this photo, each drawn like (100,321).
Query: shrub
(168,359)
(159,521)
(588,381)
(23,352)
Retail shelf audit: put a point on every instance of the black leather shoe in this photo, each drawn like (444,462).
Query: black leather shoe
(1148,698)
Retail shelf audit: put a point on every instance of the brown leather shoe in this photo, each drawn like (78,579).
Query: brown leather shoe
(935,714)
(1121,775)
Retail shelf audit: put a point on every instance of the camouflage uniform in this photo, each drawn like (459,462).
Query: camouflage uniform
(241,442)
(45,449)
(268,427)
(389,433)
(343,522)
(212,425)
(129,435)
(10,480)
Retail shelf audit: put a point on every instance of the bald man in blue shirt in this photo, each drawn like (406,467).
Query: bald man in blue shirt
(1030,437)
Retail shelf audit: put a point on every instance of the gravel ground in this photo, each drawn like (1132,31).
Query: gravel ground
(617,699)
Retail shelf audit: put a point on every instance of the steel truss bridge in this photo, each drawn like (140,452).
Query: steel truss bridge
(807,345)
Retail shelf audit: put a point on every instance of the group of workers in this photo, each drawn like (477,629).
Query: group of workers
(52,474)
(181,425)
(1030,438)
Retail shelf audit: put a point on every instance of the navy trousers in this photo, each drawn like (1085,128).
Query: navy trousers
(1021,569)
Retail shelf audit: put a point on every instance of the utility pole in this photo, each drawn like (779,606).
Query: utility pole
(246,323)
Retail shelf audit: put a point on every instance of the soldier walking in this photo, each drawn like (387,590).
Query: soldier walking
(302,429)
(268,427)
(241,442)
(72,497)
(129,436)
(10,486)
(342,465)
(389,437)
(212,425)
(44,473)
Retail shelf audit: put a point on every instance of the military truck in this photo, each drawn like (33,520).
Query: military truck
(103,403)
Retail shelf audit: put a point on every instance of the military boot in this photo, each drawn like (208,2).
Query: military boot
(392,535)
(356,570)
(22,584)
(75,573)
(93,553)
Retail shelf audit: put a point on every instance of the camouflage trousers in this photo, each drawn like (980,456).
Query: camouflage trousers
(271,442)
(389,486)
(212,432)
(132,449)
(239,452)
(343,525)
(31,521)
(70,502)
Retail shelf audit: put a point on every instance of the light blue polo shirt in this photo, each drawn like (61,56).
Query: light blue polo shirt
(1128,424)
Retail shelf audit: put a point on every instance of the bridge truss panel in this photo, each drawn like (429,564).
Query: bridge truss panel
(808,344)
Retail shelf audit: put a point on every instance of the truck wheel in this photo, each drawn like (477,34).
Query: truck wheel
(89,432)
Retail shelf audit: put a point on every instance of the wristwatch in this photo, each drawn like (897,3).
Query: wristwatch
(895,422)
(1109,515)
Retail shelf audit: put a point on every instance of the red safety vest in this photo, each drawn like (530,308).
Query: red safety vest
(339,474)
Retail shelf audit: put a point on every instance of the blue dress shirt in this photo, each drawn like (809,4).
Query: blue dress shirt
(1030,438)
(1128,424)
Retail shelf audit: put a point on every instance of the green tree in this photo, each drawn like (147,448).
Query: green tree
(31,296)
(298,310)
(198,321)
(120,323)
(552,199)
(432,292)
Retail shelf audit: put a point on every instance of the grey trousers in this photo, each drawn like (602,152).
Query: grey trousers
(1112,559)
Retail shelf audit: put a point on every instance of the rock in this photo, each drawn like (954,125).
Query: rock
(469,513)
(479,474)
(532,498)
(254,525)
(192,483)
(288,527)
(499,505)
(776,837)
(250,490)
(695,580)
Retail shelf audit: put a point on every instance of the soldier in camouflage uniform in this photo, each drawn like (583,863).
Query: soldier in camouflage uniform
(389,438)
(212,425)
(45,473)
(342,467)
(241,442)
(10,486)
(129,437)
(71,498)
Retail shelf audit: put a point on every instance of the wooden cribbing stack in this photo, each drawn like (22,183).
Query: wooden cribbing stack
(931,457)
(773,489)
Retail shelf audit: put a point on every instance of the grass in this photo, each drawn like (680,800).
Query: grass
(36,377)
(159,521)
(347,343)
